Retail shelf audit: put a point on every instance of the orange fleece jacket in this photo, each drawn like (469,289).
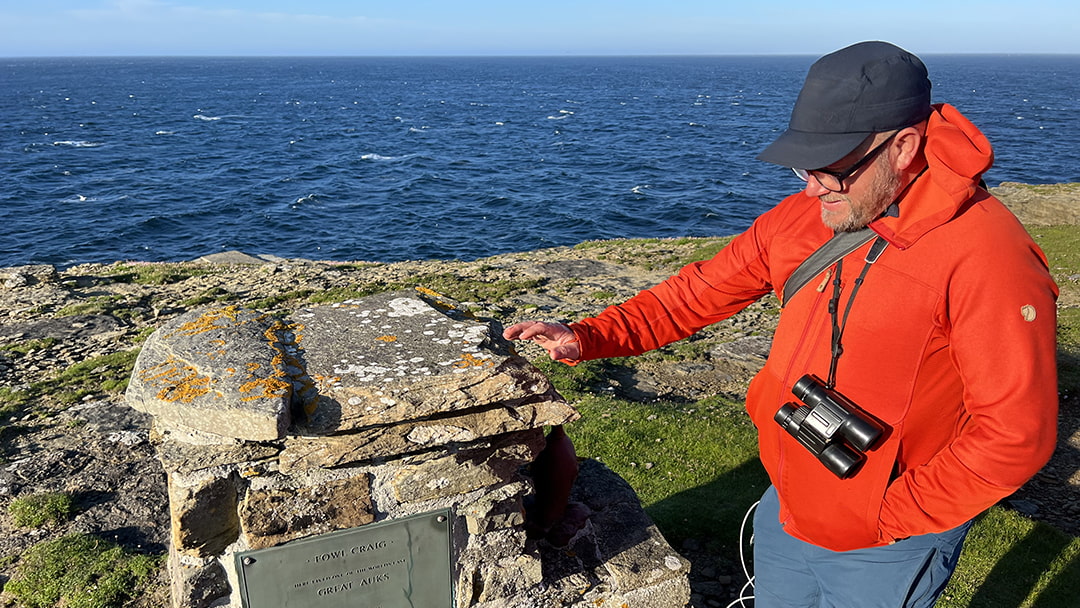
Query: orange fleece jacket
(950,342)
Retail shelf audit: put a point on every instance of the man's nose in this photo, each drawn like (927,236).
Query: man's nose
(814,187)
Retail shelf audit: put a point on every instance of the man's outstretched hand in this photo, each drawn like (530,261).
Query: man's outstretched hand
(557,339)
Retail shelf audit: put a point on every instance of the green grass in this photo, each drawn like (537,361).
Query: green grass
(694,467)
(161,273)
(23,348)
(277,301)
(1069,351)
(79,571)
(1009,560)
(94,305)
(108,373)
(121,307)
(37,510)
(209,296)
(656,254)
(1062,247)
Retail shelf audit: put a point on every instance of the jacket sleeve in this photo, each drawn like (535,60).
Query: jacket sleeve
(1002,321)
(701,293)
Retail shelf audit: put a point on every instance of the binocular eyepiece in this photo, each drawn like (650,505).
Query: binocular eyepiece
(829,425)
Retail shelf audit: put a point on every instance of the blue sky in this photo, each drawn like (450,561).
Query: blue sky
(507,27)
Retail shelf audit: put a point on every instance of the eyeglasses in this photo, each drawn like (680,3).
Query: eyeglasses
(833,181)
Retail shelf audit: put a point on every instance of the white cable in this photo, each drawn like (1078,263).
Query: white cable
(742,560)
(742,595)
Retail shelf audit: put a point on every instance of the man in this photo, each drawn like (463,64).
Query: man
(933,329)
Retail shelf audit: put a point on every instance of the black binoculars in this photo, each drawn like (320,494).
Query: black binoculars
(829,425)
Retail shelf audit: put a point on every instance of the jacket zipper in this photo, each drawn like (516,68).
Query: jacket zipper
(799,346)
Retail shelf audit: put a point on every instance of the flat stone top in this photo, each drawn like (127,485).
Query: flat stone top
(401,357)
(391,337)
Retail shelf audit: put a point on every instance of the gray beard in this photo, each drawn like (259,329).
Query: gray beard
(882,191)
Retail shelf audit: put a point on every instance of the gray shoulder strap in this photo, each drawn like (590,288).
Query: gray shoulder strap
(826,255)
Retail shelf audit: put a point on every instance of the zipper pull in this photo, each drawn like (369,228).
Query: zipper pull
(825,281)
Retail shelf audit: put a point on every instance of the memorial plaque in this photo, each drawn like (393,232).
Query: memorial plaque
(401,563)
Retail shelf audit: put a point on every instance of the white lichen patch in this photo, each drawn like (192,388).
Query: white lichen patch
(470,337)
(364,373)
(407,307)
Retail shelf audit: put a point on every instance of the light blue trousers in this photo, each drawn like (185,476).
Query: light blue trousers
(791,573)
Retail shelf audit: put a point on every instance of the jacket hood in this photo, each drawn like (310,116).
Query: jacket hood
(957,154)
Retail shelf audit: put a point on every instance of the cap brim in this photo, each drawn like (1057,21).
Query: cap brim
(803,150)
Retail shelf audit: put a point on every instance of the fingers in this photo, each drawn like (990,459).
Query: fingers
(557,339)
(538,331)
(514,332)
(567,352)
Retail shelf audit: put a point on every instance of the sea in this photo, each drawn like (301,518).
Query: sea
(389,159)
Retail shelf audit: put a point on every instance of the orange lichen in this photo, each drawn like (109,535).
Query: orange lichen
(217,352)
(326,382)
(298,332)
(177,382)
(276,385)
(439,299)
(470,360)
(387,339)
(265,388)
(209,321)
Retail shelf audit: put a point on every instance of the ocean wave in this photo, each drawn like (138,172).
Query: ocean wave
(205,118)
(311,198)
(381,158)
(79,144)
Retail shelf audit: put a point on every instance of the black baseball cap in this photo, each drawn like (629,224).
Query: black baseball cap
(849,94)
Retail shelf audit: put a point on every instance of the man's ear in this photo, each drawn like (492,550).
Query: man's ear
(908,145)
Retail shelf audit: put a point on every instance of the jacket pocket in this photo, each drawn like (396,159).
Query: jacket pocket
(838,514)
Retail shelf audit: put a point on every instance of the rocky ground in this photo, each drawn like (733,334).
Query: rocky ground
(67,336)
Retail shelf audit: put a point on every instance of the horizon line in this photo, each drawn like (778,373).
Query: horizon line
(498,55)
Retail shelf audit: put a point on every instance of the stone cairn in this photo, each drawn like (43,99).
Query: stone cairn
(274,429)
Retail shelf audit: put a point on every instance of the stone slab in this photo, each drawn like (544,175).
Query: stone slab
(408,437)
(218,370)
(406,356)
(277,513)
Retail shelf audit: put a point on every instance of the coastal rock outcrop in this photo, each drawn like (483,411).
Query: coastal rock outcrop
(68,339)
